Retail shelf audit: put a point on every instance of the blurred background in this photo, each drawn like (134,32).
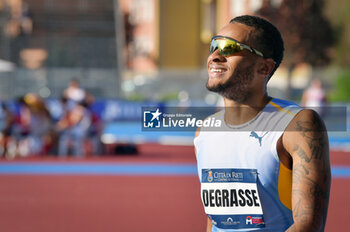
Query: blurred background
(157,50)
(74,75)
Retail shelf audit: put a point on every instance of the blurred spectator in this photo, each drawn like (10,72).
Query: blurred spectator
(94,132)
(38,122)
(74,92)
(315,97)
(73,128)
(20,145)
(32,128)
(8,122)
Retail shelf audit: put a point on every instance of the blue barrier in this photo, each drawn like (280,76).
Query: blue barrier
(123,122)
(105,109)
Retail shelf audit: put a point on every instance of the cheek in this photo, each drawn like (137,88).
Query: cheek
(236,62)
(248,68)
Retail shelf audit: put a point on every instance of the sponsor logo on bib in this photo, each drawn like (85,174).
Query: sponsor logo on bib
(210,176)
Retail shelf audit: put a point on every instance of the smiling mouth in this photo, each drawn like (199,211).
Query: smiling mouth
(217,70)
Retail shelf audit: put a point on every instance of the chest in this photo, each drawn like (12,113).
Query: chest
(246,150)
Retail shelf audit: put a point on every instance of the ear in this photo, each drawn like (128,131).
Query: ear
(266,67)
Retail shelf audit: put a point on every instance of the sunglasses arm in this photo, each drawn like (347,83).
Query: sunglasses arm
(252,50)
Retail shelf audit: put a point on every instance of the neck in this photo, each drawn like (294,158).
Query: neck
(237,113)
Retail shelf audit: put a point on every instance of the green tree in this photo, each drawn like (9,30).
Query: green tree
(341,91)
(339,14)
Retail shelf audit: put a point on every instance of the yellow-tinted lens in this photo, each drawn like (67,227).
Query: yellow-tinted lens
(226,47)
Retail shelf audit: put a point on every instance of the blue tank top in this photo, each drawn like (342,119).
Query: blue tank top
(244,186)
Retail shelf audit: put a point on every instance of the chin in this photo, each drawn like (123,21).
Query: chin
(216,87)
(214,82)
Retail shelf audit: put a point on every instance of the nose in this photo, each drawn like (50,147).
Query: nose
(216,56)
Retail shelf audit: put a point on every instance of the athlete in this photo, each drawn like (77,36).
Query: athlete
(267,168)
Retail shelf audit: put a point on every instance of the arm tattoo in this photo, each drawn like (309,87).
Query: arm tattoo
(313,133)
(311,176)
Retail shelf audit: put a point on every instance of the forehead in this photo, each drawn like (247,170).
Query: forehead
(237,31)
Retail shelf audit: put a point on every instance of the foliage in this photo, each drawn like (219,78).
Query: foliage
(342,88)
(307,33)
(339,14)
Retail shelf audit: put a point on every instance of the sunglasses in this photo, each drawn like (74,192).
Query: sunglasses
(228,46)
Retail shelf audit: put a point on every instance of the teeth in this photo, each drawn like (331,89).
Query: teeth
(216,70)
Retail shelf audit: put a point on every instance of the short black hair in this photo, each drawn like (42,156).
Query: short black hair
(267,38)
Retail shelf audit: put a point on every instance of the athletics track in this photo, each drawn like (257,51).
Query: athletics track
(157,190)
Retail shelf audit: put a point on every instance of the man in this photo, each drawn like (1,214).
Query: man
(73,128)
(268,168)
(74,92)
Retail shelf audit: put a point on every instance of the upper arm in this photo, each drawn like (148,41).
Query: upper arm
(306,141)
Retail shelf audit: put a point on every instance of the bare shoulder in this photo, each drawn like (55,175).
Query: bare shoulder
(306,127)
(307,120)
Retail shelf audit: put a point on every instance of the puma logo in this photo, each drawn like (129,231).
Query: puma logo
(255,135)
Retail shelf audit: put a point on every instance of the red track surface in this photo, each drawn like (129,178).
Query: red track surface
(124,203)
(108,203)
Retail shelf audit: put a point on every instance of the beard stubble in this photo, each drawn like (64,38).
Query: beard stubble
(237,87)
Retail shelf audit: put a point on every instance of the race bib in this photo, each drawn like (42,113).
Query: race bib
(230,198)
